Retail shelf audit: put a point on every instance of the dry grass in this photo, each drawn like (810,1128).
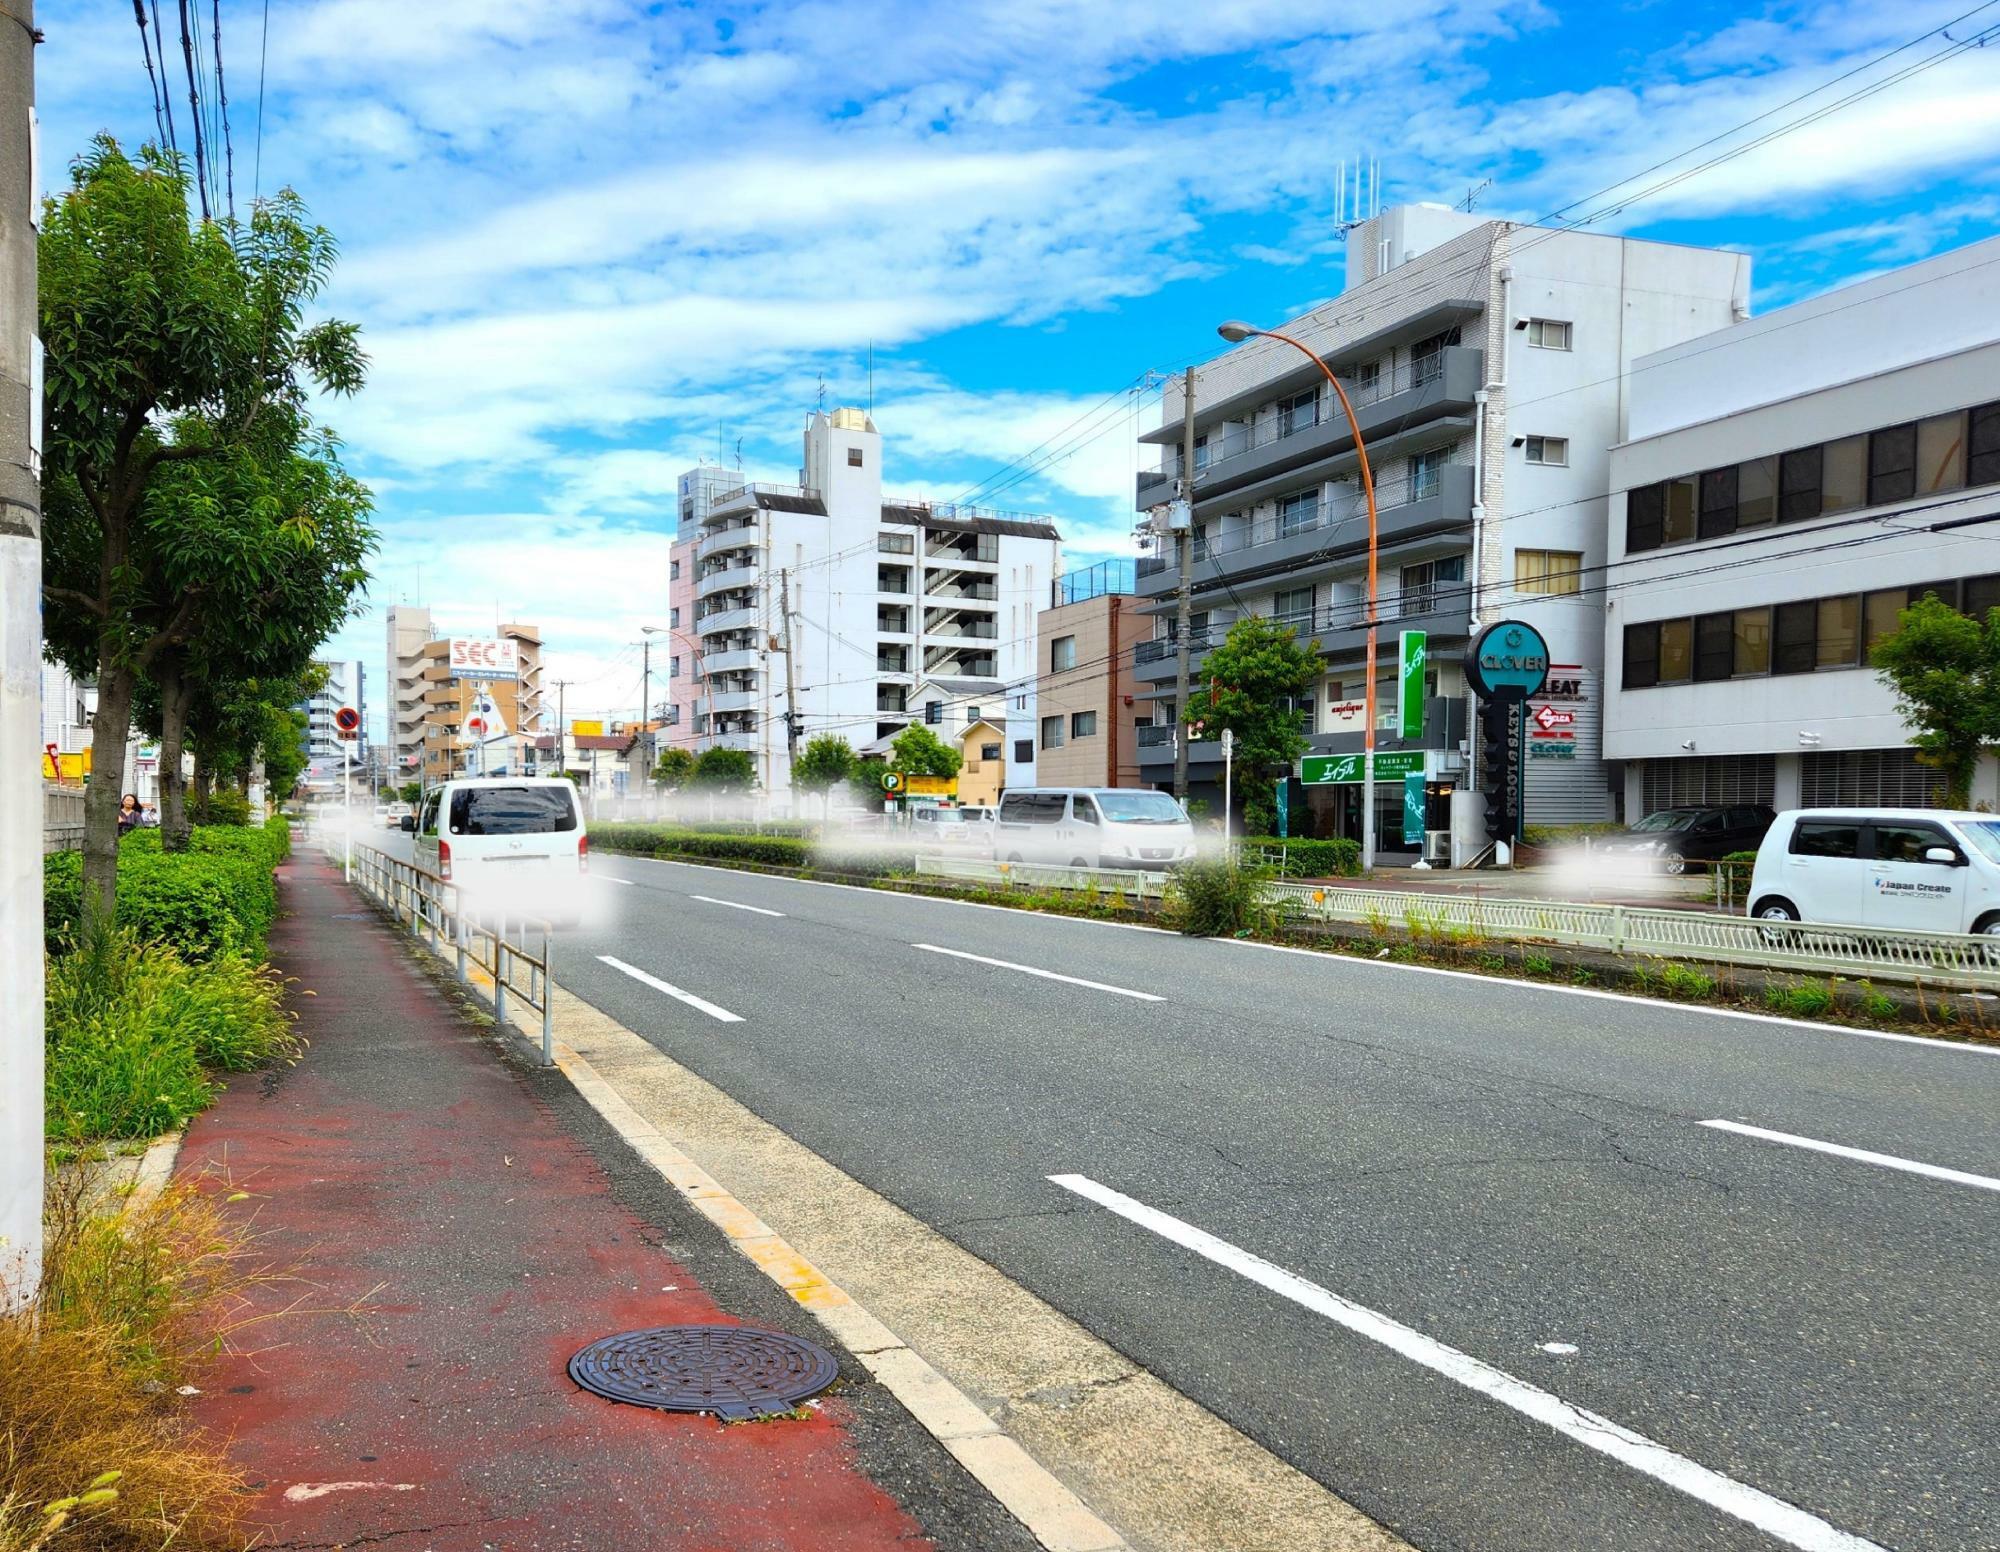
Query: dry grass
(130,1307)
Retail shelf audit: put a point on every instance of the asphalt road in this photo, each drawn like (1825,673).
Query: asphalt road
(1461,1250)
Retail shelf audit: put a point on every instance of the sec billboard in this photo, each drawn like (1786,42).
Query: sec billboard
(484,657)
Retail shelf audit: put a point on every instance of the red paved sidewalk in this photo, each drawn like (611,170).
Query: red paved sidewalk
(404,1165)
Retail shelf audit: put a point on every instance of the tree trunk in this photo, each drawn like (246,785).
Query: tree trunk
(110,728)
(176,693)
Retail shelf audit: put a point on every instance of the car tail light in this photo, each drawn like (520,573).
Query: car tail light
(583,854)
(444,860)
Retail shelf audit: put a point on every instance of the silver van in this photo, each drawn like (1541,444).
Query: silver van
(1092,827)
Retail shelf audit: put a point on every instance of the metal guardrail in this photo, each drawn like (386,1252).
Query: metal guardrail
(436,910)
(1946,959)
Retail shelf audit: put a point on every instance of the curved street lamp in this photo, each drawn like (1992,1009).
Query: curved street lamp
(1236,332)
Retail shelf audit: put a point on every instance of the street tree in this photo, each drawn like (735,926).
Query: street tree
(1253,678)
(917,751)
(825,762)
(673,769)
(865,778)
(165,343)
(724,770)
(1945,669)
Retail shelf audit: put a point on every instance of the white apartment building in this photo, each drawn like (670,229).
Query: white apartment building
(1485,362)
(344,686)
(1786,487)
(409,628)
(881,593)
(68,704)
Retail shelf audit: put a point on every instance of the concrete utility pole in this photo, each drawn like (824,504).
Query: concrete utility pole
(645,734)
(791,699)
(1183,604)
(20,676)
(562,728)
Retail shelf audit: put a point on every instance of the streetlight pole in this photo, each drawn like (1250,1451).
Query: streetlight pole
(1236,332)
(1183,604)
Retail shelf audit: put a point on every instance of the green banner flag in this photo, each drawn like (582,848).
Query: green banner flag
(1412,655)
(1413,809)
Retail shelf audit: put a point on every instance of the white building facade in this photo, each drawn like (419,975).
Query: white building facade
(1787,487)
(345,686)
(1485,363)
(881,593)
(408,630)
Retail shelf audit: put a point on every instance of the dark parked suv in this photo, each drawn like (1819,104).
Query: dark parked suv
(1673,836)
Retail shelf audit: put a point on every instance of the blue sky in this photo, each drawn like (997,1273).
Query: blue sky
(591,242)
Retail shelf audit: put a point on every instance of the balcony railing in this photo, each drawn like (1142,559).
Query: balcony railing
(1347,506)
(743,494)
(1154,734)
(984,592)
(985,552)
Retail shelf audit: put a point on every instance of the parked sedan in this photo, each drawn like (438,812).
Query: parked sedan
(1672,837)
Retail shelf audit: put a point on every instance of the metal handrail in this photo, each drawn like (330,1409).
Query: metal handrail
(436,909)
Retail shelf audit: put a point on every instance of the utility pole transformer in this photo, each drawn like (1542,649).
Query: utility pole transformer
(1183,604)
(20,677)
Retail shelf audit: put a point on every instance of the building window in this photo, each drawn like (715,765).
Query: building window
(1799,476)
(971,715)
(1714,647)
(934,712)
(1298,413)
(854,458)
(1294,607)
(1298,511)
(1642,656)
(1548,334)
(1982,446)
(673,668)
(1940,453)
(1548,571)
(989,751)
(1429,585)
(1305,707)
(1792,638)
(1424,473)
(896,544)
(1083,724)
(1052,732)
(673,571)
(1367,379)
(1062,655)
(1838,642)
(1756,492)
(1024,751)
(1676,651)
(1892,465)
(1718,504)
(1753,641)
(1678,520)
(1645,515)
(1553,451)
(673,619)
(673,716)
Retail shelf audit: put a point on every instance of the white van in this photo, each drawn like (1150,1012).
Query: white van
(1092,827)
(519,840)
(1918,869)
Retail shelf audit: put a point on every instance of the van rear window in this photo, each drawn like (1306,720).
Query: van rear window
(503,810)
(1823,838)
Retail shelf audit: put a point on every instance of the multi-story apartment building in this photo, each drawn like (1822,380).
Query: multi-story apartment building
(345,686)
(1485,362)
(1087,707)
(68,704)
(409,631)
(881,593)
(1786,488)
(450,698)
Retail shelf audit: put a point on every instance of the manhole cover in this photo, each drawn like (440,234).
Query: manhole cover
(732,1371)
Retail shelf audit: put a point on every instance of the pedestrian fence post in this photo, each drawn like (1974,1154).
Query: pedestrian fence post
(500,973)
(459,922)
(548,1005)
(1617,929)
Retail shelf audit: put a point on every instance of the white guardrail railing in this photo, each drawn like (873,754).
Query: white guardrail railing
(1859,953)
(514,952)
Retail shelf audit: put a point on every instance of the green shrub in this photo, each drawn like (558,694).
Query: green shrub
(1806,1000)
(1562,835)
(223,806)
(1340,858)
(131,1025)
(1736,870)
(206,902)
(1212,898)
(1538,964)
(1685,982)
(740,845)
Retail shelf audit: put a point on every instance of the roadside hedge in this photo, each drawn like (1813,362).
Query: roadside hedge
(776,851)
(1338,858)
(216,898)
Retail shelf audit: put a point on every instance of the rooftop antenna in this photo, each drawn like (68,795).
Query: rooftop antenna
(1472,194)
(822,393)
(871,378)
(739,455)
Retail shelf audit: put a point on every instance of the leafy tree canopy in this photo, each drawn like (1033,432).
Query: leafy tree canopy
(1945,670)
(917,751)
(724,770)
(673,769)
(824,763)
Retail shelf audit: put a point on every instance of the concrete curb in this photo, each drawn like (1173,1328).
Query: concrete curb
(156,1168)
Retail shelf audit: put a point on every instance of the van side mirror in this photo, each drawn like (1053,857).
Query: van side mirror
(409,824)
(1944,855)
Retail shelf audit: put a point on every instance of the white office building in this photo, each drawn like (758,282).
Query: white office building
(1785,488)
(881,592)
(1485,362)
(344,687)
(409,629)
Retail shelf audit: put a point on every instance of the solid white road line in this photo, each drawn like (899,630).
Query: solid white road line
(735,905)
(1046,975)
(671,990)
(1886,1160)
(1776,1518)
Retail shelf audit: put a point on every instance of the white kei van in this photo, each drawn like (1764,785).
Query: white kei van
(1092,827)
(1918,869)
(519,839)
